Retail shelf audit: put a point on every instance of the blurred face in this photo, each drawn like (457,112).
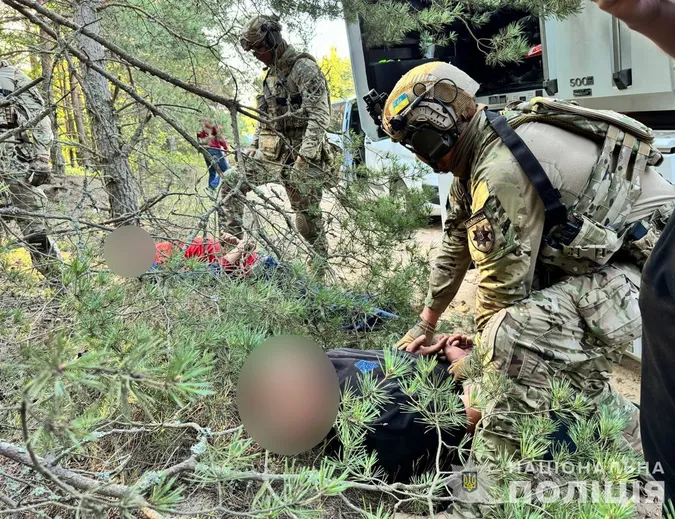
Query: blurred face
(288,395)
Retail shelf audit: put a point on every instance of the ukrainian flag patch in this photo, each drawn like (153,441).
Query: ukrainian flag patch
(400,103)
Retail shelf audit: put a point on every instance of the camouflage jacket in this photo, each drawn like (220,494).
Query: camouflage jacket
(496,216)
(25,107)
(297,86)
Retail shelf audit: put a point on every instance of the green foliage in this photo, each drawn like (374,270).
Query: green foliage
(388,23)
(338,72)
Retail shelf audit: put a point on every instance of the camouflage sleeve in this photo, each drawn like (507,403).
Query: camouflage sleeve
(261,104)
(312,83)
(32,103)
(505,232)
(450,266)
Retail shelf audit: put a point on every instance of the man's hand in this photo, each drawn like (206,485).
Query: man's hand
(452,347)
(229,239)
(246,246)
(251,151)
(422,329)
(636,13)
(300,164)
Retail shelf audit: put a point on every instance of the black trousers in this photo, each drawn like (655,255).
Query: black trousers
(657,409)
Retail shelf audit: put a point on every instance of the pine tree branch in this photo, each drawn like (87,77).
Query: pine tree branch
(139,64)
(69,478)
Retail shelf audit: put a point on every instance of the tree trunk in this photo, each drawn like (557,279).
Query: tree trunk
(68,117)
(47,61)
(78,114)
(122,187)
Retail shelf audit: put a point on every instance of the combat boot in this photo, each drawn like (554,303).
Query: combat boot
(46,258)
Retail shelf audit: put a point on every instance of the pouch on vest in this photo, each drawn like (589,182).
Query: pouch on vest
(8,117)
(271,146)
(591,242)
(611,311)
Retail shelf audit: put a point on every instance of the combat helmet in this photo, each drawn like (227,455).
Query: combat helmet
(425,106)
(261,30)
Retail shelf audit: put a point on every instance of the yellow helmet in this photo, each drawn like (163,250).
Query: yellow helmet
(427,96)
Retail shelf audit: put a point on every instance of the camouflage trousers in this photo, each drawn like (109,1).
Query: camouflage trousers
(17,193)
(572,332)
(304,190)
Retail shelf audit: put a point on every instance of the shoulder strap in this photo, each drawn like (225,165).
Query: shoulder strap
(556,212)
(266,87)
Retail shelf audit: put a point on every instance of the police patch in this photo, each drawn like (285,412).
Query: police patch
(400,103)
(480,233)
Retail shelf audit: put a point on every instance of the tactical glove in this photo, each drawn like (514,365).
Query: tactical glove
(421,328)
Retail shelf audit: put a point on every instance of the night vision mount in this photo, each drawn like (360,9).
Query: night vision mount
(375,104)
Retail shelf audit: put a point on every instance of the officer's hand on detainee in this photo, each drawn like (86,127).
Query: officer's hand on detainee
(229,239)
(632,12)
(422,329)
(450,347)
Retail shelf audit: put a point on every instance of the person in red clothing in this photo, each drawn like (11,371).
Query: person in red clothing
(210,136)
(239,260)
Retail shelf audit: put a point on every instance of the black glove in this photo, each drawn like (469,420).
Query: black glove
(39,172)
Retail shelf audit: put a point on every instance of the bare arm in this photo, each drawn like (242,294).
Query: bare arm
(653,18)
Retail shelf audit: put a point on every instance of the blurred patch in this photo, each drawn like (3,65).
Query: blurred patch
(129,251)
(288,395)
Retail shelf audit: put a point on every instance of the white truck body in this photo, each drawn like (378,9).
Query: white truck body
(380,154)
(591,58)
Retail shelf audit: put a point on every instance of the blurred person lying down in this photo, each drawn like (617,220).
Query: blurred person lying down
(401,436)
(239,259)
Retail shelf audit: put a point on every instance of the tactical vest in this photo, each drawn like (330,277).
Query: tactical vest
(280,96)
(8,115)
(584,235)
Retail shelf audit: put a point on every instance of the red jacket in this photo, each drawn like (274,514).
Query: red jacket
(210,136)
(209,253)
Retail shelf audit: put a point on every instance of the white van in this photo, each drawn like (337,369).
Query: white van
(380,154)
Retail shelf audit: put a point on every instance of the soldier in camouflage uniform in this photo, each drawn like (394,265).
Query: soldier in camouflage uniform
(549,304)
(293,150)
(24,164)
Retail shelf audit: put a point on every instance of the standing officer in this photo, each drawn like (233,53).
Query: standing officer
(293,149)
(24,164)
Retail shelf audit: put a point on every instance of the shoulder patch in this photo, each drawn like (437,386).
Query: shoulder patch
(480,232)
(477,218)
